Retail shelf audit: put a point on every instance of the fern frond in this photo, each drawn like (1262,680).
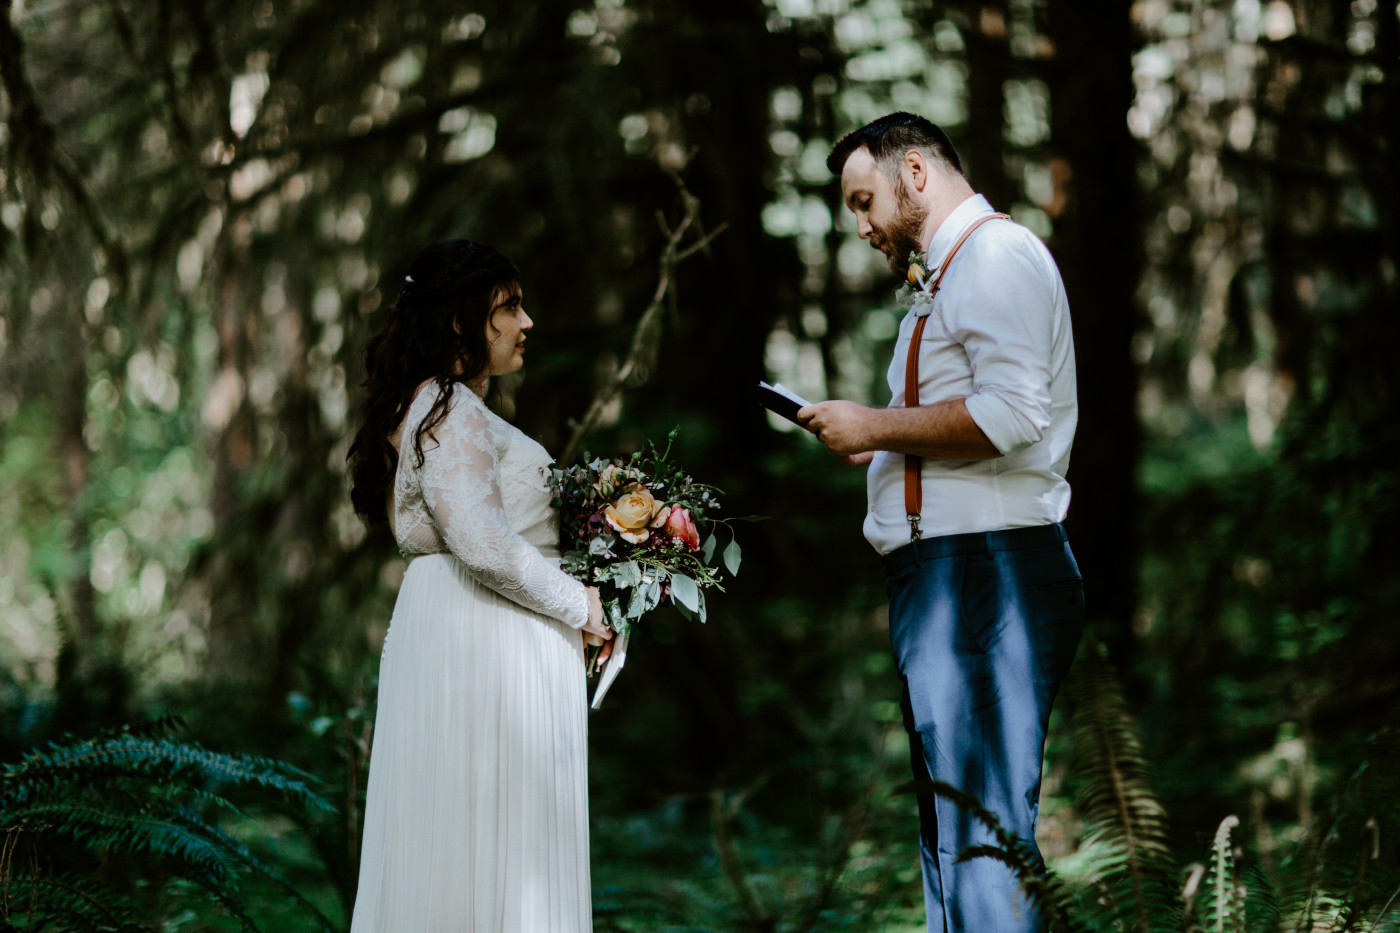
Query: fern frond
(1388,917)
(245,857)
(136,832)
(159,758)
(1043,889)
(1223,912)
(1262,910)
(1334,879)
(1125,821)
(146,800)
(231,905)
(72,903)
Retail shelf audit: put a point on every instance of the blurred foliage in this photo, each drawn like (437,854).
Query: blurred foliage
(204,208)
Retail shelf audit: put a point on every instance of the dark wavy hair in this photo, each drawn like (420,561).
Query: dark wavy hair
(890,137)
(436,330)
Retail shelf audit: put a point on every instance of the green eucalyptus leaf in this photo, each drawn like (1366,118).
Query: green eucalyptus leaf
(684,592)
(652,595)
(732,556)
(628,574)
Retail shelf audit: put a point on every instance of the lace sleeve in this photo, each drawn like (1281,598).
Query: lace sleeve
(462,491)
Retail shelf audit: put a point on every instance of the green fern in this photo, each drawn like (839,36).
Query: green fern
(70,903)
(1341,878)
(135,799)
(1129,857)
(1223,908)
(1261,908)
(1043,889)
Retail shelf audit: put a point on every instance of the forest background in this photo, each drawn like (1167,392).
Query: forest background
(205,209)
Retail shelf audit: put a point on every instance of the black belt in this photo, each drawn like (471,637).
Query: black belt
(977,542)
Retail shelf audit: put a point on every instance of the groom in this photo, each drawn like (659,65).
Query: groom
(966,491)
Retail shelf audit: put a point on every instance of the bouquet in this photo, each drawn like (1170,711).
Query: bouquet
(645,534)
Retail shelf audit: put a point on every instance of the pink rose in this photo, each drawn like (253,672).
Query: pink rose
(681,526)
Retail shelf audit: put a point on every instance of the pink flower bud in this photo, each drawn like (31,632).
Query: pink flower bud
(681,526)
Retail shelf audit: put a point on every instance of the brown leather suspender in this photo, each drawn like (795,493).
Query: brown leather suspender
(913,488)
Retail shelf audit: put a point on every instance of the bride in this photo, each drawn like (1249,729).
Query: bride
(477,811)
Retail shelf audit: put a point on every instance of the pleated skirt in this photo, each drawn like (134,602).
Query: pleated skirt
(477,813)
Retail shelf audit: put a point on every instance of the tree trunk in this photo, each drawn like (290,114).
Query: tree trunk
(988,59)
(1096,246)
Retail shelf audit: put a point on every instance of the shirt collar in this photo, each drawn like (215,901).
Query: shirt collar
(952,227)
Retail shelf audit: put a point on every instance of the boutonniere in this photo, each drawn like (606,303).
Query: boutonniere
(916,293)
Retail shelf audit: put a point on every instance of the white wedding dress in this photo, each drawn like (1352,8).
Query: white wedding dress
(477,812)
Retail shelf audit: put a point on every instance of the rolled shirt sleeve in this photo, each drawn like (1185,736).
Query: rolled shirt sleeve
(1007,332)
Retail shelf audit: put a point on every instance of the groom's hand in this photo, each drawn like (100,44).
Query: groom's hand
(842,426)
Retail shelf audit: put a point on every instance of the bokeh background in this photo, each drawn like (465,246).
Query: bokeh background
(206,207)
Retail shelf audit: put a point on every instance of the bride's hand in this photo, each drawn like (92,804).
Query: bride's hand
(597,631)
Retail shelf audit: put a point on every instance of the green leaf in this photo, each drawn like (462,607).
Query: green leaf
(651,595)
(709,549)
(685,592)
(628,574)
(732,556)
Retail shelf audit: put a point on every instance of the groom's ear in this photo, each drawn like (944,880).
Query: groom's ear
(916,169)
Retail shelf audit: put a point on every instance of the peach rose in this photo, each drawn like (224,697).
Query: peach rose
(631,514)
(681,526)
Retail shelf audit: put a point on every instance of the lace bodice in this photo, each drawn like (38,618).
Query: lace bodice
(482,495)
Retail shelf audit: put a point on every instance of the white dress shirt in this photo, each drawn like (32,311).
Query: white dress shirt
(999,336)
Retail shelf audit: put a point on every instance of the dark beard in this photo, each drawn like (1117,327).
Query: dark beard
(905,232)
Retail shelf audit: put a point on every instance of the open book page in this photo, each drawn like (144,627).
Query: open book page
(781,401)
(611,668)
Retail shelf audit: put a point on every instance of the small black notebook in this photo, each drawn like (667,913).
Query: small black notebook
(780,401)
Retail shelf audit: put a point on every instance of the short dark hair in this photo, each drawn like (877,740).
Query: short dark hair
(894,134)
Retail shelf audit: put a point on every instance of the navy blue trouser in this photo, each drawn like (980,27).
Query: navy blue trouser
(983,628)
